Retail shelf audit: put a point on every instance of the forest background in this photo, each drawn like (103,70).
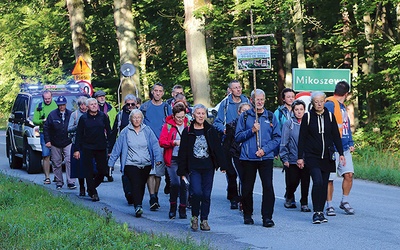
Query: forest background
(190,43)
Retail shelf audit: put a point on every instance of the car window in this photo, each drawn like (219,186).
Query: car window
(34,103)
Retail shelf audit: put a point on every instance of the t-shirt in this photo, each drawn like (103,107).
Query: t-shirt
(178,138)
(155,117)
(201,157)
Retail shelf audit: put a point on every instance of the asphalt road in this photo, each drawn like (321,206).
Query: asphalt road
(376,224)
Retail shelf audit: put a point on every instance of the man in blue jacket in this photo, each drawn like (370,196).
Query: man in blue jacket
(257,129)
(227,113)
(56,137)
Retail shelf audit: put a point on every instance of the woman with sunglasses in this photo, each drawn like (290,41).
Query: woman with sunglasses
(288,155)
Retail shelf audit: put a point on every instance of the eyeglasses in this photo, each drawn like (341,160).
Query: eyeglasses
(319,102)
(130,104)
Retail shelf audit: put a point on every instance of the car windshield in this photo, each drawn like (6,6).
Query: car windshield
(71,103)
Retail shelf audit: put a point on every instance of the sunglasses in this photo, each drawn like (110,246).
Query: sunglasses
(130,104)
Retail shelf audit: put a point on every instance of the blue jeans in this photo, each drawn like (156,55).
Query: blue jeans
(178,186)
(201,182)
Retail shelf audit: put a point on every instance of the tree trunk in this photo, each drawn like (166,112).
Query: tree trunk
(288,60)
(78,30)
(298,33)
(280,63)
(128,51)
(368,66)
(196,52)
(143,62)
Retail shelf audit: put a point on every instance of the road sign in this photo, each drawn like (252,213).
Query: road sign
(81,67)
(86,86)
(253,57)
(319,79)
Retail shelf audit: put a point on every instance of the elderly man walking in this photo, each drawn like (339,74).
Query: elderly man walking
(55,131)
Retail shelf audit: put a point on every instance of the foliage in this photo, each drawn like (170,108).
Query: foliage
(34,219)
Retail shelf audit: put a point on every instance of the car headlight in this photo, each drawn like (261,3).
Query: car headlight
(36,131)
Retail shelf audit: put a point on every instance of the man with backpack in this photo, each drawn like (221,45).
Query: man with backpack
(40,114)
(335,104)
(155,111)
(227,113)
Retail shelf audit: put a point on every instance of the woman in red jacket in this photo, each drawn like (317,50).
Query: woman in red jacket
(170,138)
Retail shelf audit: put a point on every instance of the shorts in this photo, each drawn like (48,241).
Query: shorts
(341,170)
(45,150)
(158,170)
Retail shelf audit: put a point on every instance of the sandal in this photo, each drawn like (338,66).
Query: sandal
(347,208)
(47,181)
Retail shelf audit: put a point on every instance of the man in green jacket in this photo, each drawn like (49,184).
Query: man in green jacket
(42,110)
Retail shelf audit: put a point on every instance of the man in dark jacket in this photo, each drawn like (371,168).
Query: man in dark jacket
(56,137)
(92,136)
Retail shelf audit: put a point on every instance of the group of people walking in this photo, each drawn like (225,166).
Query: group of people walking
(174,140)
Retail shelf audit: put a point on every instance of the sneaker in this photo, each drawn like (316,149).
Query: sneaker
(204,225)
(330,211)
(268,223)
(138,211)
(182,212)
(95,197)
(58,187)
(347,208)
(322,217)
(153,204)
(305,208)
(194,223)
(316,219)
(248,220)
(71,186)
(234,204)
(110,178)
(290,203)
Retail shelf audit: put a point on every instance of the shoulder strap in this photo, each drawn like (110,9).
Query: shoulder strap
(245,117)
(165,109)
(119,121)
(270,117)
(144,107)
(308,119)
(40,106)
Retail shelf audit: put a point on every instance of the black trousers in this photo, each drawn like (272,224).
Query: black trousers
(231,178)
(265,170)
(137,178)
(320,177)
(100,157)
(293,176)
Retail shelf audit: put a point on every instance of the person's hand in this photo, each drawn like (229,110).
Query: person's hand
(177,142)
(260,153)
(77,155)
(342,160)
(286,164)
(48,145)
(300,163)
(255,127)
(352,149)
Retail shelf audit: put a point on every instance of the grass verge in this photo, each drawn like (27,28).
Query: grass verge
(32,218)
(377,165)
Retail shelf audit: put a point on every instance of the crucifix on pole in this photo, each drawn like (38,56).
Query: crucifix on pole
(252,37)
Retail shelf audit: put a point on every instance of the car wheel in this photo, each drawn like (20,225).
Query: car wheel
(33,160)
(14,161)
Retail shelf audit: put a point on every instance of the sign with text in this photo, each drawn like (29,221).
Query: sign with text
(253,57)
(319,79)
